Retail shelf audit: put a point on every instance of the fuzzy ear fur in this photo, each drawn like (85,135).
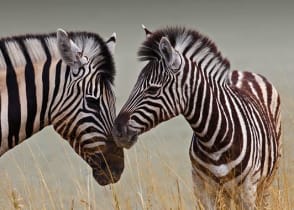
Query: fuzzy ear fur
(147,32)
(70,53)
(169,54)
(111,42)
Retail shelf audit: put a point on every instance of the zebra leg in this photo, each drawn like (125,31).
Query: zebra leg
(247,197)
(263,195)
(265,200)
(205,193)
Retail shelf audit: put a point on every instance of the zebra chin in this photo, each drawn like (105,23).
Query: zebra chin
(107,166)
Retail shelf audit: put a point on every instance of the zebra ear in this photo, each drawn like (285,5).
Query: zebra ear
(111,42)
(70,53)
(147,32)
(169,54)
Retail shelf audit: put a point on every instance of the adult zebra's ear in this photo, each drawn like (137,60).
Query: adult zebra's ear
(111,42)
(170,55)
(147,32)
(70,53)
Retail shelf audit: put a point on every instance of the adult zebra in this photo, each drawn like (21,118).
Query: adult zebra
(235,116)
(65,80)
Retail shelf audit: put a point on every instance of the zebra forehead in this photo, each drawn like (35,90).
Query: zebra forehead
(89,46)
(180,38)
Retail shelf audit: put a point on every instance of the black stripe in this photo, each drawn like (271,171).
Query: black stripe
(56,88)
(30,89)
(45,82)
(13,99)
(65,88)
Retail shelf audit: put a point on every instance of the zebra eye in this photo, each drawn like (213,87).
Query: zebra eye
(152,90)
(93,103)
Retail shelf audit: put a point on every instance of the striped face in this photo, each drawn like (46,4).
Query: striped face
(157,95)
(86,112)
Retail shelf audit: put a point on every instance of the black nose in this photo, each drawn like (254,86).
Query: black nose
(120,125)
(104,177)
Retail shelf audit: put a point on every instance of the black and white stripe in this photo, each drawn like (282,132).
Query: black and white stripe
(235,116)
(64,80)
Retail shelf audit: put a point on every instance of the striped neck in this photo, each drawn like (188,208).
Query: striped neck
(207,112)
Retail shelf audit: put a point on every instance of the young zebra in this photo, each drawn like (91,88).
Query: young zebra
(235,116)
(64,80)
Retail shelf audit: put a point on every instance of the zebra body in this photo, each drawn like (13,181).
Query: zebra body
(65,80)
(235,116)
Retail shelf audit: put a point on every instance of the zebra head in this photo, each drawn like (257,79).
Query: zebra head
(85,113)
(159,93)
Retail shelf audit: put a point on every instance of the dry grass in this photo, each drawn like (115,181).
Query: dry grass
(146,187)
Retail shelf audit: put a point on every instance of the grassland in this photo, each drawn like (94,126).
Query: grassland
(152,180)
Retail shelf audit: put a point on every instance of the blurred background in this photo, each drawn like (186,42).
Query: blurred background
(45,173)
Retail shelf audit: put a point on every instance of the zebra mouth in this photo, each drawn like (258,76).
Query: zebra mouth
(103,177)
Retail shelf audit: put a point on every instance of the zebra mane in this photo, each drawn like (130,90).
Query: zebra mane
(191,44)
(92,46)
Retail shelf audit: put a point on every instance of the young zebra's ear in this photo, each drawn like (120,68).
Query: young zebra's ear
(111,42)
(70,53)
(147,32)
(169,54)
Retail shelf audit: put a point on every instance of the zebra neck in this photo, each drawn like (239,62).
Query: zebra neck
(207,112)
(26,101)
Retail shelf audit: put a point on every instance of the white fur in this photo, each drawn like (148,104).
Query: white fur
(89,48)
(94,145)
(4,112)
(111,44)
(15,54)
(182,42)
(51,44)
(2,62)
(35,50)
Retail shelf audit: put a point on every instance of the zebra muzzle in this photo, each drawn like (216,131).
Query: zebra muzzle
(122,134)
